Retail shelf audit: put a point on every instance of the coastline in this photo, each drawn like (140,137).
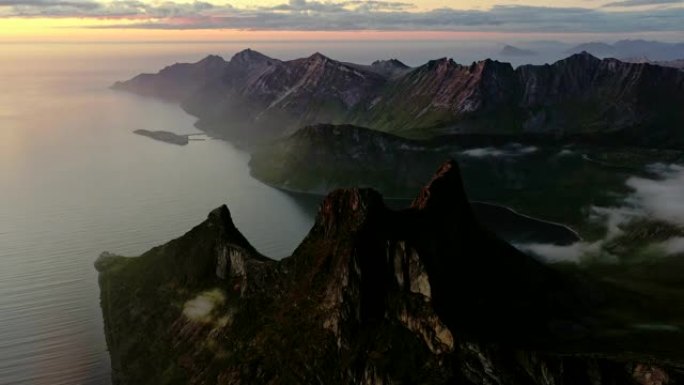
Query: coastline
(486,204)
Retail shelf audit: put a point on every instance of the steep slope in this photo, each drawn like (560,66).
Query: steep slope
(583,94)
(441,94)
(253,96)
(325,90)
(371,296)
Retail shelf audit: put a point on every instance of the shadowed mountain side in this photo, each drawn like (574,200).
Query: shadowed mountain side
(372,295)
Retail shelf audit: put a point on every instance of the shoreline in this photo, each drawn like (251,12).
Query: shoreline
(242,147)
(472,202)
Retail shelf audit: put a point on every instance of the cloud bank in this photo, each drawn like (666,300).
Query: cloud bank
(313,15)
(641,3)
(513,150)
(659,198)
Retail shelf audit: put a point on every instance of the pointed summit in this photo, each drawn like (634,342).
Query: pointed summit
(249,56)
(583,56)
(212,59)
(318,57)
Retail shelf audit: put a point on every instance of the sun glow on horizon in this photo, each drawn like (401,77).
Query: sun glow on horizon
(213,20)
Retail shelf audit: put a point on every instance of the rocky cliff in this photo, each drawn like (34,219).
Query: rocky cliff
(253,97)
(371,296)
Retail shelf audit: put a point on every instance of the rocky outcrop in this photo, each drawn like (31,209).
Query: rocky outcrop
(371,296)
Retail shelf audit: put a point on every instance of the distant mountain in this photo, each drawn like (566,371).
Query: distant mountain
(178,81)
(510,50)
(594,48)
(390,68)
(254,98)
(653,50)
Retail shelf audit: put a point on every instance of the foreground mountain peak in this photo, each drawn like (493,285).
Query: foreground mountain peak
(420,295)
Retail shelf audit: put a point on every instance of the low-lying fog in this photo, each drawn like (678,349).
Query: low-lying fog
(659,197)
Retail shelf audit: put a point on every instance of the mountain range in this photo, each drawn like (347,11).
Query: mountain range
(254,98)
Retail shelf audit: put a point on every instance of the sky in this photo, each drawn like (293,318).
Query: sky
(123,20)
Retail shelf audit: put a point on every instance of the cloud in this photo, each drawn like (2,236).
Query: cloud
(350,15)
(673,246)
(18,5)
(500,152)
(639,3)
(658,198)
(661,198)
(555,253)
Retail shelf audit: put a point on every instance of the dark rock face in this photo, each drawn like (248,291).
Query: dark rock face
(371,296)
(583,94)
(253,97)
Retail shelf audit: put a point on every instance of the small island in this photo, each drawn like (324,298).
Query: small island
(165,136)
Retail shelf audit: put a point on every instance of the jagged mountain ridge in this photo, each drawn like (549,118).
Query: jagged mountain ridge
(371,296)
(254,97)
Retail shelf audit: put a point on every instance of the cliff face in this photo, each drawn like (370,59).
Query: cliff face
(259,97)
(442,93)
(371,296)
(583,94)
(254,97)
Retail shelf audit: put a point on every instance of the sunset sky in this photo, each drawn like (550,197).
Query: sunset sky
(73,20)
